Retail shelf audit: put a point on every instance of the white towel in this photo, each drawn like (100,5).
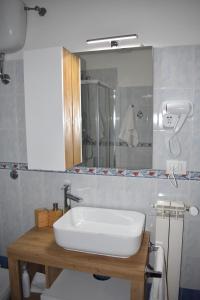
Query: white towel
(38,283)
(128,132)
(159,285)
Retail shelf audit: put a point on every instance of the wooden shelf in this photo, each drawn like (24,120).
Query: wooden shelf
(34,296)
(39,247)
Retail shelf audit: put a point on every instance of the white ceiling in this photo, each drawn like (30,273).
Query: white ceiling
(70,23)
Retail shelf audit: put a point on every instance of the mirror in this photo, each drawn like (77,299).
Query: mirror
(117,108)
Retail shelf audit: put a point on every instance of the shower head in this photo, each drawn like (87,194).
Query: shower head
(41,10)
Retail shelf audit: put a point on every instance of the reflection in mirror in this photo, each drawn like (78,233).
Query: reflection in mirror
(117,108)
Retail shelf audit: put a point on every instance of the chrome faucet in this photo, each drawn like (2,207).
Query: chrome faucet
(70,197)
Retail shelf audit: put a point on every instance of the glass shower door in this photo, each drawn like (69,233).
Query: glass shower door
(96,118)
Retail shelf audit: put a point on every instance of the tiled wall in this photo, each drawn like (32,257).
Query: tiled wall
(177,77)
(12,115)
(32,189)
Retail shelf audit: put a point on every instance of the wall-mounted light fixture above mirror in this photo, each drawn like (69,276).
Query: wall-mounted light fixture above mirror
(112,38)
(114,42)
(117,108)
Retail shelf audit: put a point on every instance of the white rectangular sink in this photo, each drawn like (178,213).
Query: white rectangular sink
(100,231)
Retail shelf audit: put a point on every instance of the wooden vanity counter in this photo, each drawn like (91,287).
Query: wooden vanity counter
(38,246)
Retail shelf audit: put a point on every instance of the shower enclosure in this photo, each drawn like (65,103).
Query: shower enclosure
(97,115)
(103,112)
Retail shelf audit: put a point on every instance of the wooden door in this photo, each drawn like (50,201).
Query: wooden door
(72,109)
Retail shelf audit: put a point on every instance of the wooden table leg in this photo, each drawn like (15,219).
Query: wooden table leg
(51,275)
(15,278)
(137,290)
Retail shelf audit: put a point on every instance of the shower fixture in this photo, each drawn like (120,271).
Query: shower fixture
(5,78)
(41,10)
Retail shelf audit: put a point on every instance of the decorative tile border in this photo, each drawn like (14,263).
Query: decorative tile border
(14,166)
(144,173)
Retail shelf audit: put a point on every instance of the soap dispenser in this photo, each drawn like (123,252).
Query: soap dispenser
(25,282)
(54,214)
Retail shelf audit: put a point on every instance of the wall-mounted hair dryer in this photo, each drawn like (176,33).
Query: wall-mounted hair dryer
(175,114)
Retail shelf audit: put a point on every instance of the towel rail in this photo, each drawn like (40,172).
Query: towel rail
(149,270)
(152,273)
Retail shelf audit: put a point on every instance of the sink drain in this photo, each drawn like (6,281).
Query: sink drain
(101,277)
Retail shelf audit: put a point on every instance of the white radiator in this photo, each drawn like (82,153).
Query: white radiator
(169,235)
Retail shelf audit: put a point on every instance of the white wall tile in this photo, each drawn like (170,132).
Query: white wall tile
(21,146)
(8,145)
(195,133)
(20,110)
(31,196)
(174,67)
(197,67)
(11,212)
(8,118)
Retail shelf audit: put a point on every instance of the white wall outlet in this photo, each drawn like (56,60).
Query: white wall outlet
(178,167)
(170,120)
